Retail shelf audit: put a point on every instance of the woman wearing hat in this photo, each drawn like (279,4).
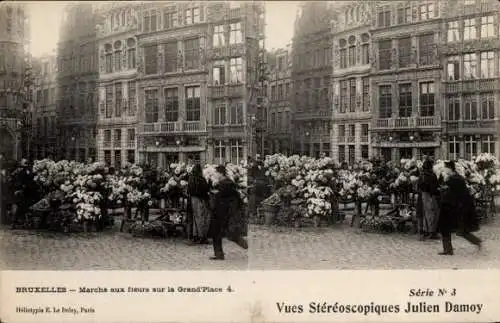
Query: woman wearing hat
(458,212)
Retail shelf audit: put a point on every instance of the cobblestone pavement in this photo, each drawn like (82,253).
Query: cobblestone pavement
(343,247)
(28,250)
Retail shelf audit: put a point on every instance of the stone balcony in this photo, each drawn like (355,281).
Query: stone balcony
(226,91)
(476,126)
(230,50)
(176,127)
(407,123)
(486,85)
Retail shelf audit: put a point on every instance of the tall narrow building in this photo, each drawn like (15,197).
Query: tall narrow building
(311,74)
(15,131)
(351,82)
(470,56)
(77,104)
(117,83)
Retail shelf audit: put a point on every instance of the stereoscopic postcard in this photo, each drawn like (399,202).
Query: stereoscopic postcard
(250,161)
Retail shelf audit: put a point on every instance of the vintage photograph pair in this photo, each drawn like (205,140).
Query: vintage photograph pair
(271,161)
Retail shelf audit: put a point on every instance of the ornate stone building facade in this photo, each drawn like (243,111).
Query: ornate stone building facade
(195,63)
(77,103)
(14,116)
(470,56)
(352,105)
(311,75)
(279,93)
(44,107)
(406,79)
(117,86)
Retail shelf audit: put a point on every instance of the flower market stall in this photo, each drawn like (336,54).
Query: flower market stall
(76,195)
(309,188)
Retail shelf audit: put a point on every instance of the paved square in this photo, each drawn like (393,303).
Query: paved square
(343,247)
(28,250)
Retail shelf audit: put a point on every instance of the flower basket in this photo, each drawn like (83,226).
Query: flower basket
(270,212)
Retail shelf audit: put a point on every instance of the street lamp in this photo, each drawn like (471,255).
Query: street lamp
(157,143)
(411,138)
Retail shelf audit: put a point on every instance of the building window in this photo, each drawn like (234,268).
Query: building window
(487,65)
(487,27)
(273,92)
(193,103)
(365,54)
(118,159)
(151,59)
(219,152)
(109,63)
(352,55)
(343,96)
(488,108)
(453,35)
(235,33)
(454,148)
(385,101)
(384,16)
(352,95)
(366,94)
(469,2)
(131,156)
(470,66)
(118,138)
(385,54)
(469,29)
(171,104)
(364,131)
(364,152)
(118,60)
(218,39)
(192,54)
(343,58)
(341,153)
(220,114)
(118,100)
(488,145)
(427,93)
(170,56)
(169,18)
(453,68)
(404,50)
(453,109)
(236,65)
(405,101)
(131,137)
(132,98)
(236,151)
(131,58)
(470,147)
(107,157)
(236,113)
(192,16)
(426,11)
(470,108)
(109,101)
(151,106)
(426,49)
(352,154)
(219,72)
(149,21)
(404,14)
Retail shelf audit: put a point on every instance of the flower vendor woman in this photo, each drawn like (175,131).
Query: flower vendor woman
(428,207)
(198,205)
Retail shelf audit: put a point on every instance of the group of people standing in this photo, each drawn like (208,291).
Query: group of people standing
(215,214)
(445,206)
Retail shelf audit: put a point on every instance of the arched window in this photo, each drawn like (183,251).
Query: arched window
(352,51)
(343,53)
(117,46)
(131,52)
(365,49)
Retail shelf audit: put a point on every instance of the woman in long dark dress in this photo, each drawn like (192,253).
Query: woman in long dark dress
(458,212)
(259,189)
(227,217)
(198,205)
(428,207)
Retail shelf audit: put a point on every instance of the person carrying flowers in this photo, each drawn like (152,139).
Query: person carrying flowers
(227,219)
(458,212)
(427,204)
